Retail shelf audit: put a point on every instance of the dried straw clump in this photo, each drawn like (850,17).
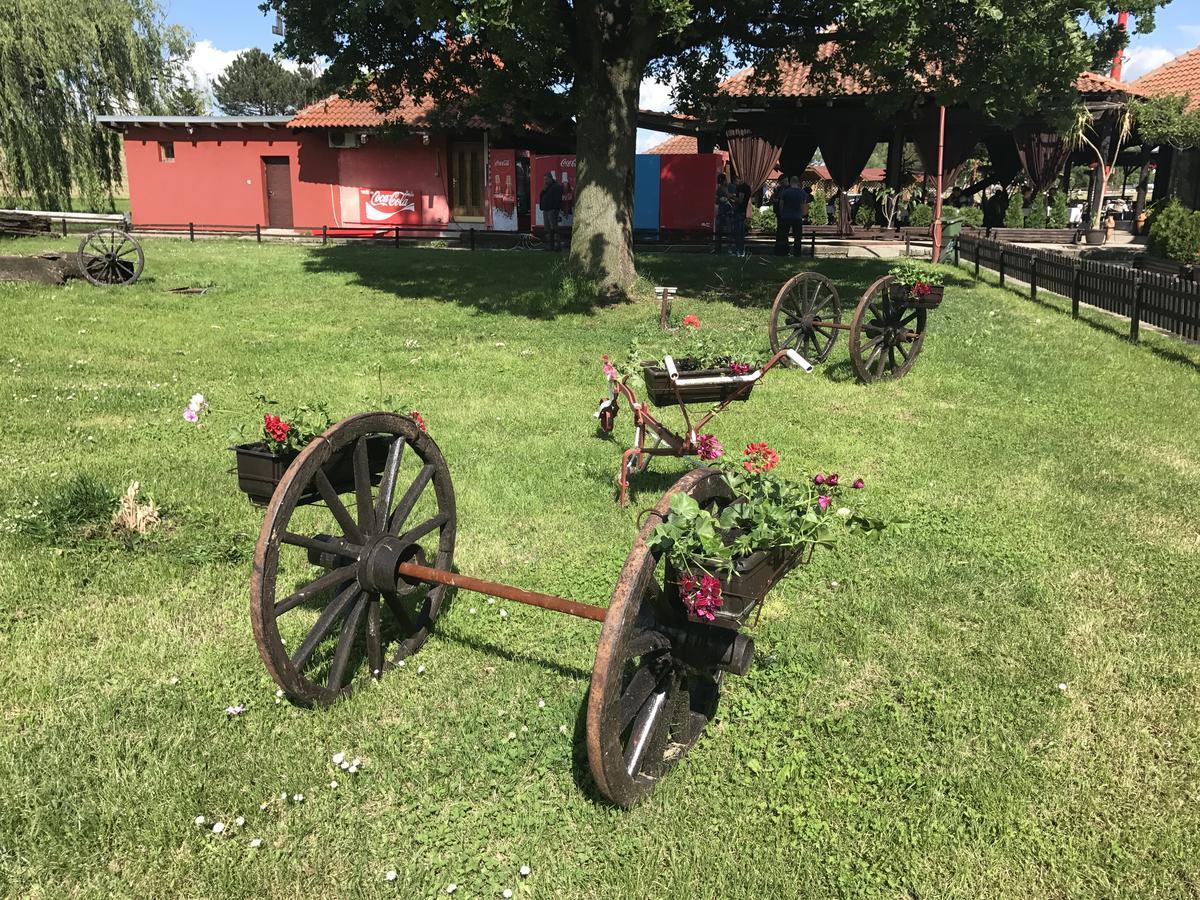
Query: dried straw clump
(134,517)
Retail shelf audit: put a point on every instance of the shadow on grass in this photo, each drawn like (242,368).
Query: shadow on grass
(529,285)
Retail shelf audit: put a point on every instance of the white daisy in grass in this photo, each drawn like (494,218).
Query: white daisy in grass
(218,827)
(338,757)
(525,870)
(506,893)
(451,888)
(333,785)
(235,710)
(389,875)
(1062,685)
(174,679)
(200,820)
(239,821)
(504,613)
(541,704)
(420,670)
(255,843)
(297,798)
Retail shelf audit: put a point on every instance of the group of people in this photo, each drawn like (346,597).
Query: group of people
(791,204)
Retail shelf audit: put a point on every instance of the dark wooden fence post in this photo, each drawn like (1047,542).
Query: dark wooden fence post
(258,232)
(977,243)
(64,226)
(191,231)
(1033,278)
(324,234)
(1076,277)
(472,238)
(396,238)
(1001,267)
(1135,314)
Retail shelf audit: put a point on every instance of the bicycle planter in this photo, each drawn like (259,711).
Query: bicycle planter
(388,556)
(886,331)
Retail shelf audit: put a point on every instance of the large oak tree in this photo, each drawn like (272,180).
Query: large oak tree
(585,59)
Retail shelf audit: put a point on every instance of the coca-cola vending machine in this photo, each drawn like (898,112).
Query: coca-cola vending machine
(502,190)
(389,207)
(562,167)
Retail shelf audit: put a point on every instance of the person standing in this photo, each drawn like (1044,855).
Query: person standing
(550,203)
(792,201)
(741,211)
(723,212)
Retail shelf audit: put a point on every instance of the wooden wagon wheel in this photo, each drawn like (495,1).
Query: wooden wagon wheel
(647,706)
(297,612)
(886,334)
(110,256)
(801,306)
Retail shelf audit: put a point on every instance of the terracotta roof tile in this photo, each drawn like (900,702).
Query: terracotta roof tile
(1095,83)
(676,143)
(342,112)
(1180,76)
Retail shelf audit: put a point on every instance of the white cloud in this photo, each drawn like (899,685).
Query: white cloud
(1143,58)
(655,95)
(208,62)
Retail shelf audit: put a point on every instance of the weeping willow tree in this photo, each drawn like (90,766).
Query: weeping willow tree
(63,63)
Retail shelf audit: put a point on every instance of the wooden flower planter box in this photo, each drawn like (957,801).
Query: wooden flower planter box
(662,391)
(932,300)
(259,471)
(753,576)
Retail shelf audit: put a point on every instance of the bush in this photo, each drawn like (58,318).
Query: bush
(1175,233)
(763,220)
(920,216)
(1014,215)
(864,215)
(971,215)
(817,213)
(1060,216)
(1037,212)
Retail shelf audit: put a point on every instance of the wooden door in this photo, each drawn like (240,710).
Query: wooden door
(278,179)
(467,179)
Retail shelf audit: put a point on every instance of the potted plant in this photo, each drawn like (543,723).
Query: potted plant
(699,352)
(917,283)
(723,561)
(262,462)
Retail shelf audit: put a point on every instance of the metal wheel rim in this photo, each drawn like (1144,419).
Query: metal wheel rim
(690,697)
(876,359)
(109,256)
(804,297)
(362,614)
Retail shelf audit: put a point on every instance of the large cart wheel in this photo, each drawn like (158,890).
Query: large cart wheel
(312,627)
(110,256)
(886,334)
(800,316)
(647,706)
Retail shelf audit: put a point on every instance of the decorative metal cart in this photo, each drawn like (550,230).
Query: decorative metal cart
(385,543)
(887,329)
(110,256)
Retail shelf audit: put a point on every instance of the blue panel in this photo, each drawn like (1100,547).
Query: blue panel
(645,192)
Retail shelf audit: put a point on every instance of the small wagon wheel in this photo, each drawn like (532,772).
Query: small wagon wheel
(800,316)
(110,256)
(886,334)
(646,706)
(310,626)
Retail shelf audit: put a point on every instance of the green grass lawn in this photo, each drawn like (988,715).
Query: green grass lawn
(902,732)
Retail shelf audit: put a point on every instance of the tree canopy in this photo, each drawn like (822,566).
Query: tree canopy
(1165,121)
(60,67)
(585,59)
(254,84)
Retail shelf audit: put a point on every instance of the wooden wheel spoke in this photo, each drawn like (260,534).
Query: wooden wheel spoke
(910,317)
(398,610)
(126,249)
(881,361)
(341,549)
(904,352)
(387,484)
(329,616)
(362,486)
(645,681)
(329,495)
(341,656)
(409,500)
(417,532)
(310,590)
(374,635)
(647,725)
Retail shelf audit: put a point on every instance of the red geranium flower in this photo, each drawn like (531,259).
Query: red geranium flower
(691,321)
(702,595)
(740,368)
(275,428)
(760,457)
(921,289)
(418,418)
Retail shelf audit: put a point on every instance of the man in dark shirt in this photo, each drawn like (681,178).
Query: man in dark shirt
(741,204)
(722,215)
(550,203)
(790,217)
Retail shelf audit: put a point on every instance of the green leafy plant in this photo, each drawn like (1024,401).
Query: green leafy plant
(818,212)
(764,220)
(1014,213)
(907,270)
(693,345)
(288,433)
(1175,233)
(920,216)
(864,215)
(1060,216)
(971,215)
(1037,212)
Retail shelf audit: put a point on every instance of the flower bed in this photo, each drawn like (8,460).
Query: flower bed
(661,389)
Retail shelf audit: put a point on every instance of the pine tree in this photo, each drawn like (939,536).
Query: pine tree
(1014,216)
(1060,216)
(254,84)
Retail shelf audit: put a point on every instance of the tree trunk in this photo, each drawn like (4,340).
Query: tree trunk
(613,42)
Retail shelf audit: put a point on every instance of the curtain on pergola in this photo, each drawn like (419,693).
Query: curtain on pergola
(847,138)
(1043,155)
(1006,162)
(755,144)
(962,134)
(798,151)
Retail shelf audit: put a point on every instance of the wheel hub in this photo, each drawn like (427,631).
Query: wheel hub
(380,558)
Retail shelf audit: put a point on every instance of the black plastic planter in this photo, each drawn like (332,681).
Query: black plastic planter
(751,580)
(661,390)
(902,293)
(259,471)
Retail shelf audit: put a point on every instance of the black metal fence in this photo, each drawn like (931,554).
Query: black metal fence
(1164,301)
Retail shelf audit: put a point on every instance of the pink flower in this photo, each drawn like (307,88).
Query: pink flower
(691,321)
(761,457)
(609,369)
(190,415)
(708,447)
(818,478)
(832,480)
(739,368)
(858,484)
(701,595)
(823,502)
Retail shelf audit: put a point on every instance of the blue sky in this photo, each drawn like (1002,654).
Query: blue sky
(224,27)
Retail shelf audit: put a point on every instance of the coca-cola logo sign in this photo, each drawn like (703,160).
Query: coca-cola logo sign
(389,206)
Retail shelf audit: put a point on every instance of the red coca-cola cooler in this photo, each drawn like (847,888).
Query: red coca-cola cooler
(687,192)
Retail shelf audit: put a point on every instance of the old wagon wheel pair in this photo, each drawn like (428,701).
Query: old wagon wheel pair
(886,333)
(110,256)
(326,596)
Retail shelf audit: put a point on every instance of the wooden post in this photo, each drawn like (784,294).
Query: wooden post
(472,238)
(977,243)
(1135,314)
(1075,291)
(191,231)
(396,238)
(324,234)
(1002,267)
(64,226)
(1033,278)
(258,232)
